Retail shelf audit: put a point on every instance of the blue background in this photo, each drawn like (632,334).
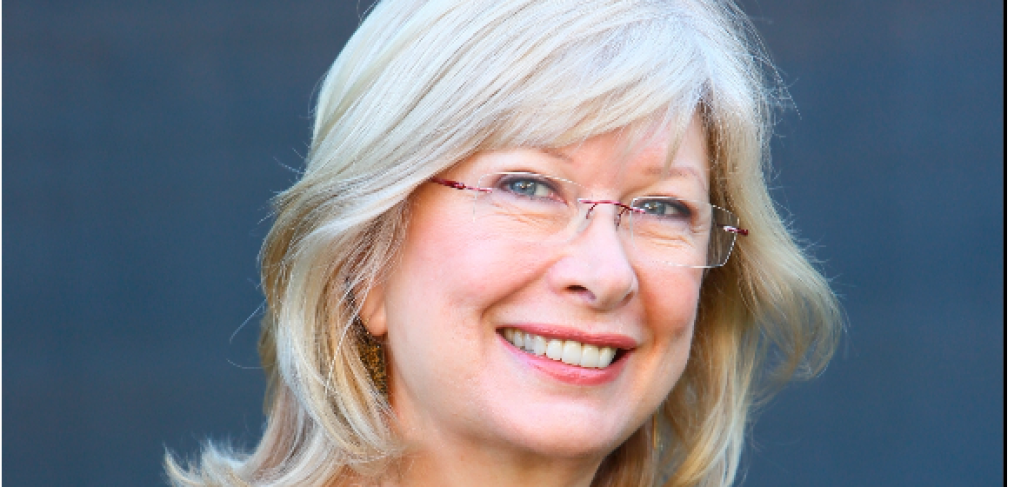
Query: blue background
(142,140)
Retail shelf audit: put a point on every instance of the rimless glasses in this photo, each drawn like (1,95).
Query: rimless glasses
(663,229)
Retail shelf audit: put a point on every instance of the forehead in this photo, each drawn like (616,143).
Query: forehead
(629,160)
(659,154)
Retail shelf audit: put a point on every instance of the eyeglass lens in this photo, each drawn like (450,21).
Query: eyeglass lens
(671,231)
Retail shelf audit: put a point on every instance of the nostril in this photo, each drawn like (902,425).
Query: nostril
(581,290)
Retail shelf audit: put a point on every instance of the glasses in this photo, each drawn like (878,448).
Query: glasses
(670,231)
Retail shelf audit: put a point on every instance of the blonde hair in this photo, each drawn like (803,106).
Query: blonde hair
(422,85)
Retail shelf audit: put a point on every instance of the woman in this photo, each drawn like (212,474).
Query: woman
(502,265)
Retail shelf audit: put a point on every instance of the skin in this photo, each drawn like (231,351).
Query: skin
(471,411)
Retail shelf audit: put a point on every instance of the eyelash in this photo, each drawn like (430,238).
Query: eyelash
(506,182)
(681,209)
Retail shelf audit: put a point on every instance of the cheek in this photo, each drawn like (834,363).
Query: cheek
(458,272)
(445,277)
(672,298)
(446,261)
(672,306)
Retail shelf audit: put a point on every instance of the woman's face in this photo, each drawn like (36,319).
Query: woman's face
(459,285)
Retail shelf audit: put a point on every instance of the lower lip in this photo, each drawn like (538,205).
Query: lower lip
(571,374)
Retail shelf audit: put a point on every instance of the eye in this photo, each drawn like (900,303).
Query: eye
(528,186)
(665,208)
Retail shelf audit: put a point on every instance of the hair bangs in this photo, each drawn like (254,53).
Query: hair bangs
(602,83)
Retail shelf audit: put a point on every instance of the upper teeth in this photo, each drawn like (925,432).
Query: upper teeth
(566,351)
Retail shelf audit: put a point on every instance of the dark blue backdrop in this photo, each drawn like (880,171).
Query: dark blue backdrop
(143,139)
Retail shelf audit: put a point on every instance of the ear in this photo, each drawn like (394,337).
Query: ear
(373,312)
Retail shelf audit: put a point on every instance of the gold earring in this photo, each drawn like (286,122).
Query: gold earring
(371,352)
(655,443)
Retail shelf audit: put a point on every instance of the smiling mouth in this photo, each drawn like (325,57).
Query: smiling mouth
(567,351)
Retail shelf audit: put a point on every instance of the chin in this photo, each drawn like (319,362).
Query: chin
(574,436)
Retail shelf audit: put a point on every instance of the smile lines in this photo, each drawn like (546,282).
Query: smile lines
(566,351)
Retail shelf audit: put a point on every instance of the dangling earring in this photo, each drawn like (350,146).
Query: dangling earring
(371,352)
(656,445)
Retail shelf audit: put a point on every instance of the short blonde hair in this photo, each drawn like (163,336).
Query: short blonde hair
(423,84)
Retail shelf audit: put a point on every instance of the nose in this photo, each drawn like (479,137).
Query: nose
(595,267)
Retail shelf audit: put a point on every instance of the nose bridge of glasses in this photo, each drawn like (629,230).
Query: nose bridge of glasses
(621,208)
(583,225)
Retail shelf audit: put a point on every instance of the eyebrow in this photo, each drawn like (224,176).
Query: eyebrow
(555,154)
(677,171)
(682,172)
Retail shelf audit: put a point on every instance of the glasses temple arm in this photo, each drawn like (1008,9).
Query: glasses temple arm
(458,185)
(740,231)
